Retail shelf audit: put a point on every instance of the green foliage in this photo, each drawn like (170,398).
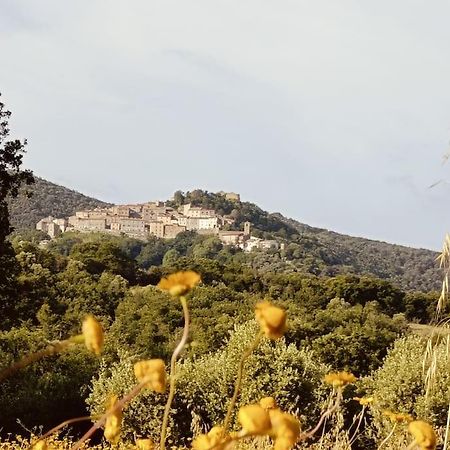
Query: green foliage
(399,384)
(360,290)
(142,417)
(343,322)
(354,338)
(51,390)
(12,177)
(150,322)
(104,255)
(205,385)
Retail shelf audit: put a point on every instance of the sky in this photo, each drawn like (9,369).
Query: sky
(334,113)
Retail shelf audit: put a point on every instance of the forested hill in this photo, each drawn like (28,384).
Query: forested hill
(48,199)
(307,249)
(410,268)
(324,252)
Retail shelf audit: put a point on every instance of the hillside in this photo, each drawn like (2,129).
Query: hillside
(307,249)
(410,268)
(48,199)
(323,252)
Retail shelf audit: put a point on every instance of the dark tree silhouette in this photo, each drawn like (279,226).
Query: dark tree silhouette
(12,177)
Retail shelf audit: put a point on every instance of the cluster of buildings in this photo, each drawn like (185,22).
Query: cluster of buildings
(156,219)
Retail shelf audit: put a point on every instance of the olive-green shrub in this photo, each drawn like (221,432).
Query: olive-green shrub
(205,385)
(399,385)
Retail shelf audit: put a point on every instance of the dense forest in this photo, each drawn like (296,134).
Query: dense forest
(343,322)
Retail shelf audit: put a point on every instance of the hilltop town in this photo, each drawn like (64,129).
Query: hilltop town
(158,219)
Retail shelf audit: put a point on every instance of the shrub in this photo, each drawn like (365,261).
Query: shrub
(399,384)
(205,385)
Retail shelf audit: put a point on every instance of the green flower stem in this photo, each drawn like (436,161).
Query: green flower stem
(238,382)
(361,416)
(386,439)
(324,416)
(118,406)
(447,427)
(172,376)
(51,349)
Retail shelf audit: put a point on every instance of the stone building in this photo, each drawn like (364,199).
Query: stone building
(157,229)
(172,231)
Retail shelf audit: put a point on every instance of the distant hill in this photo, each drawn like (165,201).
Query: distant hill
(48,199)
(306,248)
(324,252)
(410,268)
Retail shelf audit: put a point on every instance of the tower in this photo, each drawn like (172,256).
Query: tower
(247,228)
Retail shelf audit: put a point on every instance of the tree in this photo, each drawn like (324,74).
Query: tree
(12,177)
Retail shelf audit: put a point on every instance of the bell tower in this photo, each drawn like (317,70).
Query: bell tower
(247,228)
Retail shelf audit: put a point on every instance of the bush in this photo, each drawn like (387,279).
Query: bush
(399,384)
(205,385)
(45,393)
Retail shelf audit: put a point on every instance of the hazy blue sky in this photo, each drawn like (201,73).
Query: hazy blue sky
(336,113)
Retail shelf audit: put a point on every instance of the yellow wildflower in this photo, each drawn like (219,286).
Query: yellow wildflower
(113,421)
(339,379)
(179,283)
(216,439)
(153,372)
(40,445)
(271,319)
(268,403)
(423,434)
(145,444)
(285,429)
(398,417)
(93,334)
(364,401)
(254,419)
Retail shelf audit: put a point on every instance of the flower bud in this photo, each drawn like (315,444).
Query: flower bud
(254,419)
(216,438)
(285,429)
(271,319)
(93,334)
(145,444)
(179,283)
(268,403)
(153,372)
(113,422)
(423,434)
